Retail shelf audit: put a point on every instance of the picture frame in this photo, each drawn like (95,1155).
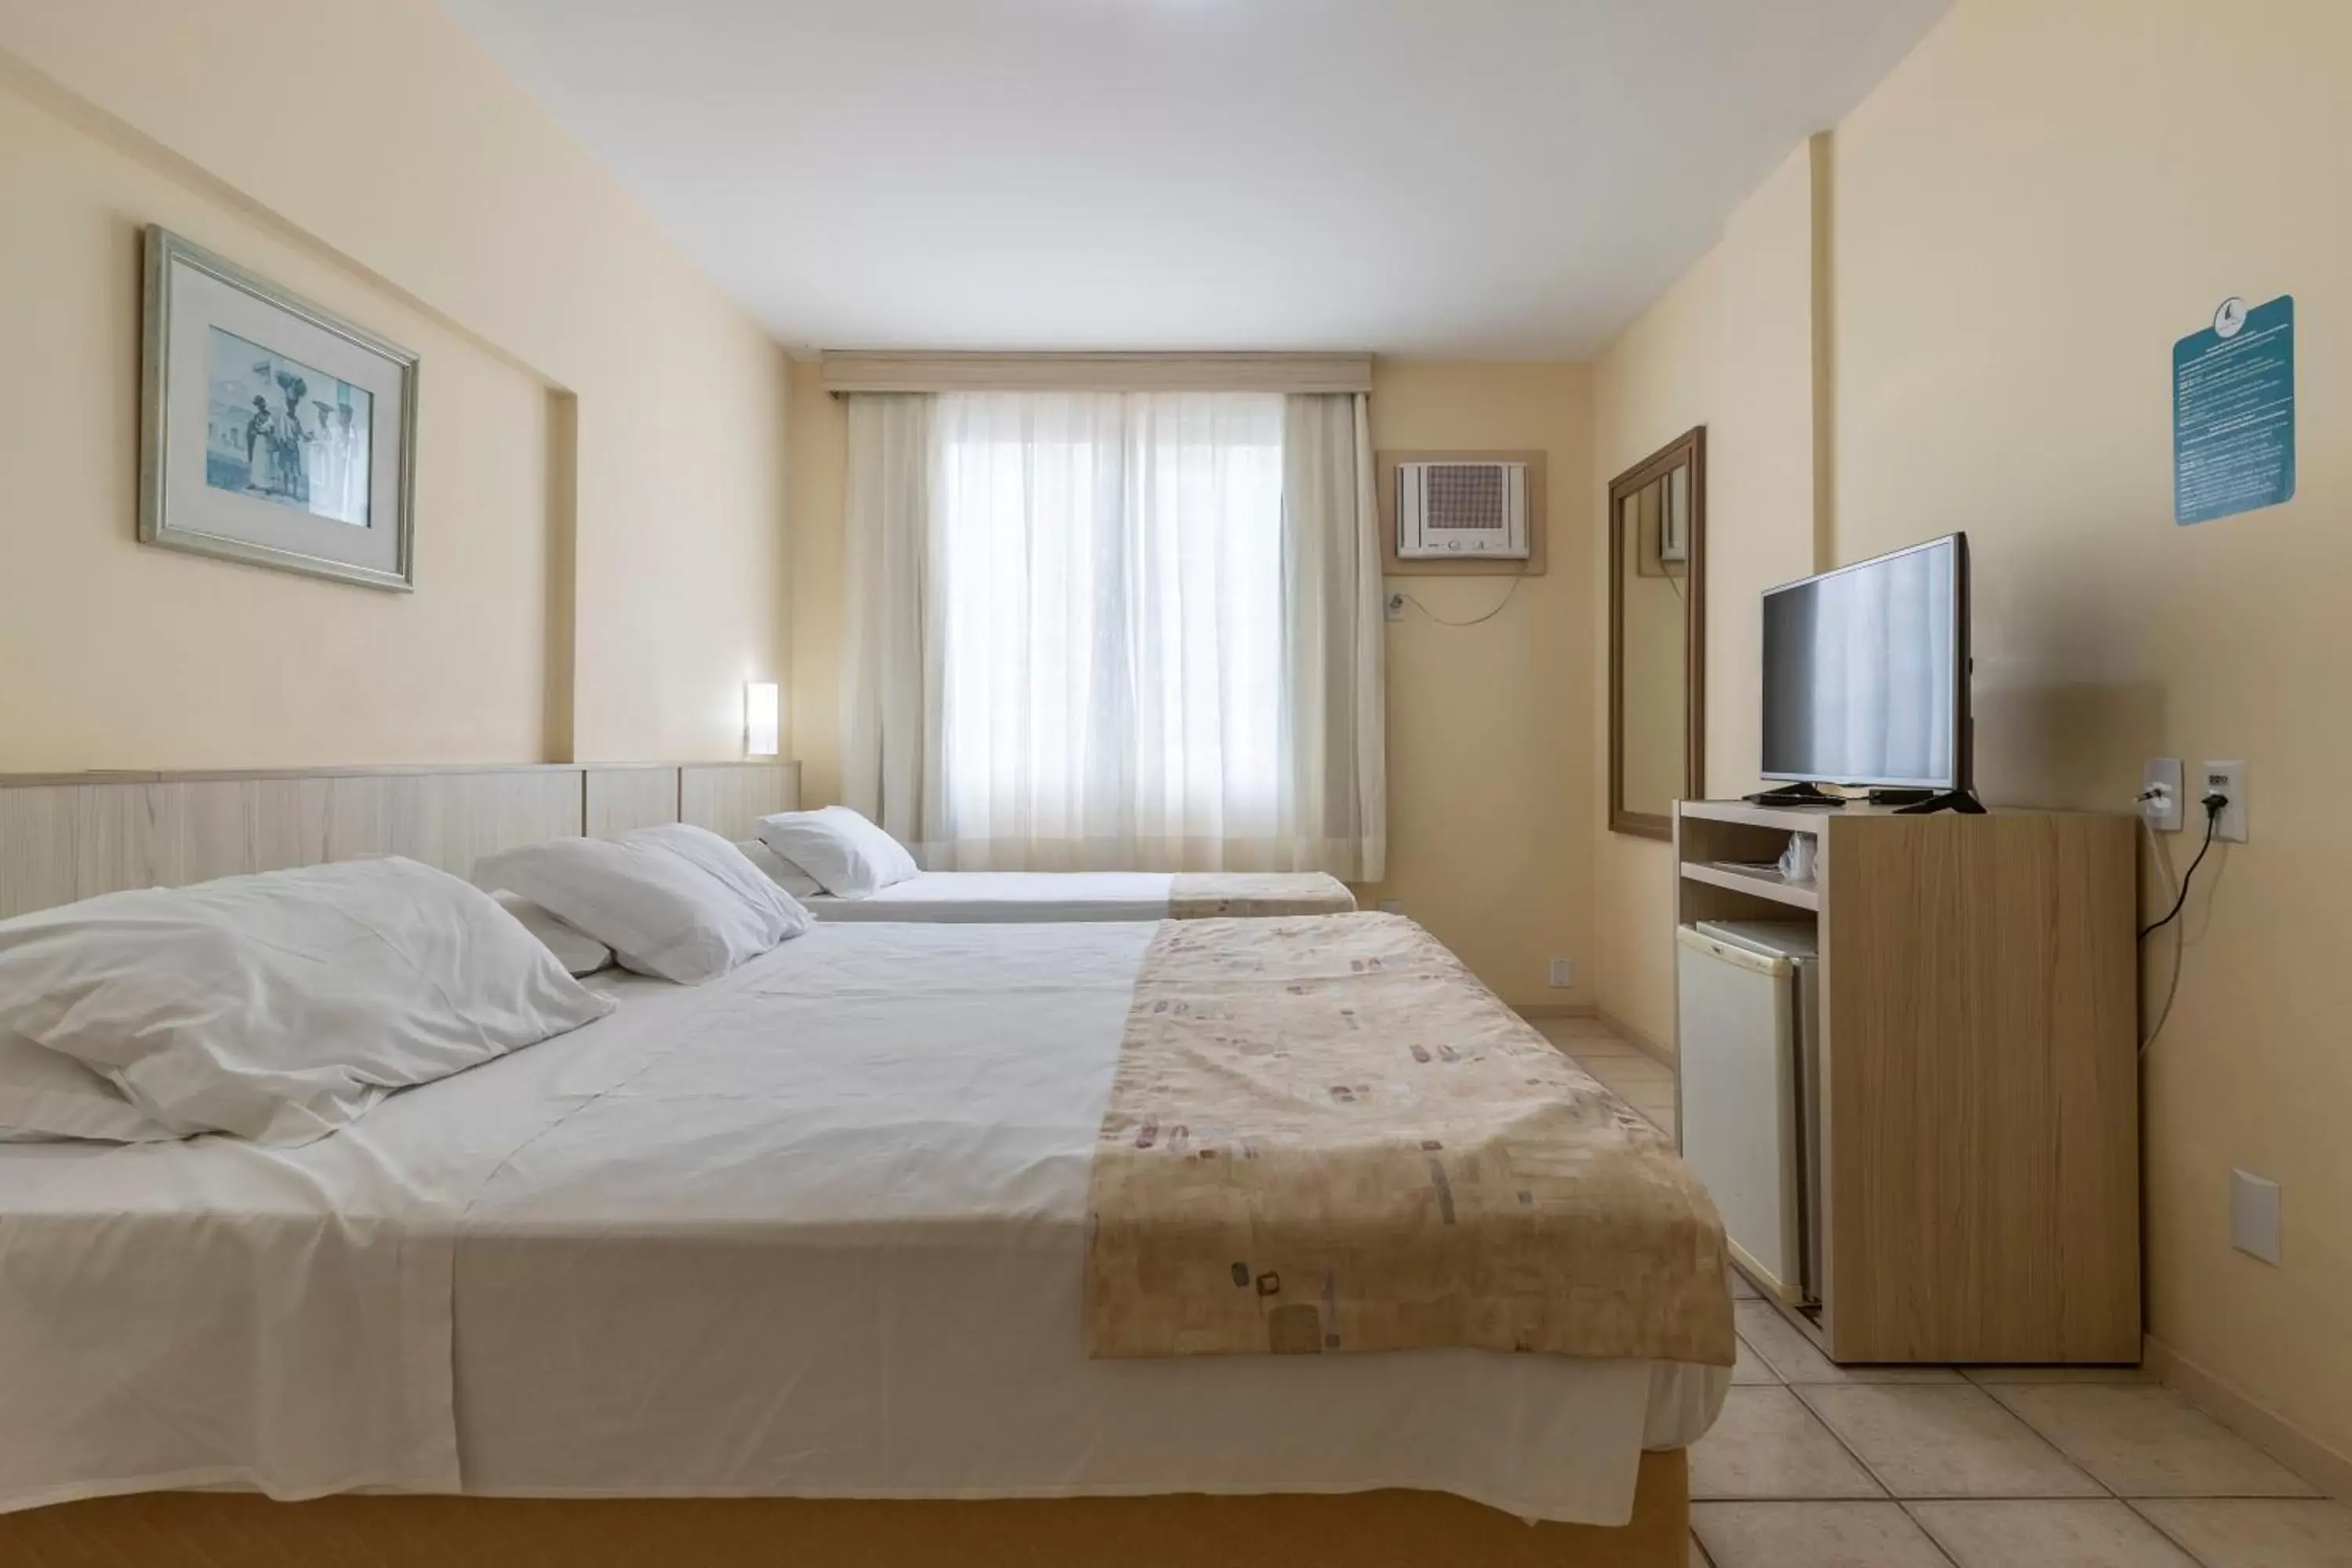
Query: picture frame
(272,431)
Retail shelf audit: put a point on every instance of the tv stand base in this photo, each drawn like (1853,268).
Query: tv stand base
(1794,794)
(1957,800)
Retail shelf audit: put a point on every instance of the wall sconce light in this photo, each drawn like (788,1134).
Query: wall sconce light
(760,717)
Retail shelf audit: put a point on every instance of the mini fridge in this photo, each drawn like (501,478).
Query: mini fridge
(1750,1090)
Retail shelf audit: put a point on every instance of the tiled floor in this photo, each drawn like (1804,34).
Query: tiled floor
(1817,1465)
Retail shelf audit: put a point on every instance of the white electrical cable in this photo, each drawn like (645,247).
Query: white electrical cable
(1479,620)
(2179,931)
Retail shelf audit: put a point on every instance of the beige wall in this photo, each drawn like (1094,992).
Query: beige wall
(1489,727)
(1728,346)
(606,596)
(1489,790)
(2028,213)
(2018,224)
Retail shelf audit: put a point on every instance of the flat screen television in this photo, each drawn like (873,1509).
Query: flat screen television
(1866,672)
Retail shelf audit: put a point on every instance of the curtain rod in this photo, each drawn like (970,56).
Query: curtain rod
(882,370)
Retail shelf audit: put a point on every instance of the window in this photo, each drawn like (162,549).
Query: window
(1111,615)
(1117,631)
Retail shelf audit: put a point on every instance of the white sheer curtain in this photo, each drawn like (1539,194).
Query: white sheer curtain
(1116,631)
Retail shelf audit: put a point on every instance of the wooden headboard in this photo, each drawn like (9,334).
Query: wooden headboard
(73,836)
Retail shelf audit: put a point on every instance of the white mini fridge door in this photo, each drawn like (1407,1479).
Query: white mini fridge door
(1739,1099)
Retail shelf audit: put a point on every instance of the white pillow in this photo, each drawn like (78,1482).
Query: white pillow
(280,1007)
(780,871)
(45,1096)
(578,953)
(675,900)
(852,858)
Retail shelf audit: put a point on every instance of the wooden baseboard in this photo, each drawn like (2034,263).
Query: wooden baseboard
(2266,1428)
(1554,1009)
(1636,1037)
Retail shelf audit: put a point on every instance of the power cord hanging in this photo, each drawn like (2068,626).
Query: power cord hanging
(2213,805)
(1475,621)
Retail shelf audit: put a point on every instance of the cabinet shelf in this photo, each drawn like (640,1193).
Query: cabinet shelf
(1760,883)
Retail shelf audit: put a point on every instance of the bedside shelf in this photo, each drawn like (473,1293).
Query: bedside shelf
(1761,884)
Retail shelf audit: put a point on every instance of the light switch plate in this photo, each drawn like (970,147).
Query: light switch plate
(2230,779)
(2254,1216)
(2167,814)
(1563,972)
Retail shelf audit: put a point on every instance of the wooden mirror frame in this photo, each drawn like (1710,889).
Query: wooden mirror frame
(1687,449)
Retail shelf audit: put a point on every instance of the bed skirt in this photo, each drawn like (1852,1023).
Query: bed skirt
(1365,1530)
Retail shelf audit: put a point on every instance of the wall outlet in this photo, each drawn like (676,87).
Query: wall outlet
(2159,787)
(1392,906)
(1395,606)
(1563,972)
(2254,1216)
(2230,779)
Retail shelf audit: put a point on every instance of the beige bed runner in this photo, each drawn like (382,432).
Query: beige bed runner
(1203,895)
(1326,1134)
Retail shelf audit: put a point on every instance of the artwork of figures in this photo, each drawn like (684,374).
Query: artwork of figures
(273,431)
(286,432)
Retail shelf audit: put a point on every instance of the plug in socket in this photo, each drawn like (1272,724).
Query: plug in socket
(2164,811)
(2228,779)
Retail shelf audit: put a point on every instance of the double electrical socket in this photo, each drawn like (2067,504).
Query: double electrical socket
(2165,801)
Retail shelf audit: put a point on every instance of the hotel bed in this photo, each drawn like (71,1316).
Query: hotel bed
(808,1232)
(800,1231)
(845,867)
(1054,896)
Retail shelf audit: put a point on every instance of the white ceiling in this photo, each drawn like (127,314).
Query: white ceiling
(1477,177)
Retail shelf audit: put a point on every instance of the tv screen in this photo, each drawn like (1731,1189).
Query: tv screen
(1866,672)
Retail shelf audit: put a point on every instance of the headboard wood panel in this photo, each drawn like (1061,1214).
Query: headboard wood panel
(620,798)
(731,800)
(65,836)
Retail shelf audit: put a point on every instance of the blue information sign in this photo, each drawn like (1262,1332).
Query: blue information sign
(2233,413)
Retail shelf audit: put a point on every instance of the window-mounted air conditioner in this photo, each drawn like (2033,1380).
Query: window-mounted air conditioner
(1460,509)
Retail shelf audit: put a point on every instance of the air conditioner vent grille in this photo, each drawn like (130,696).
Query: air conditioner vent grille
(1456,509)
(1468,496)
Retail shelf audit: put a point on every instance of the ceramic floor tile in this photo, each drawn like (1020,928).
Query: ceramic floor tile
(1740,1289)
(1991,1374)
(2095,1532)
(1579,1029)
(1765,1443)
(1624,1072)
(1794,1357)
(1608,1047)
(1945,1441)
(1812,1535)
(1697,1558)
(1751,1368)
(2149,1442)
(2255,1534)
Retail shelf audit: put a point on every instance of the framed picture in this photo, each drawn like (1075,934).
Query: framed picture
(272,431)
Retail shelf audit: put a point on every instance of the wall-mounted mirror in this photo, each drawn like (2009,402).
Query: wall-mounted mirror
(1657,635)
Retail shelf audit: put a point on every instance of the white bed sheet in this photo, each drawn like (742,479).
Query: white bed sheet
(814,1229)
(1008,897)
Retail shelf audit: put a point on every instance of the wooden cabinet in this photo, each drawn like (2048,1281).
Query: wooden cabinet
(1978,1130)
